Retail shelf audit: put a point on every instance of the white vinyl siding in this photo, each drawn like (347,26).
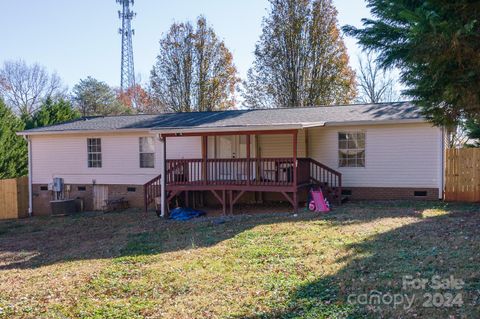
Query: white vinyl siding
(281,145)
(66,156)
(185,147)
(400,155)
(406,155)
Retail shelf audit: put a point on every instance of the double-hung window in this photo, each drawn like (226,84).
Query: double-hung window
(351,149)
(147,152)
(94,150)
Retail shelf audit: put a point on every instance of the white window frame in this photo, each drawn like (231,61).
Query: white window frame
(360,162)
(142,162)
(94,151)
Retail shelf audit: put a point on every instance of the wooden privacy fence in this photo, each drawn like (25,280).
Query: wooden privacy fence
(14,198)
(462,175)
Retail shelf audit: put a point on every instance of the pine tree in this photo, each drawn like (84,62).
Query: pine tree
(436,46)
(13,148)
(52,112)
(96,98)
(300,59)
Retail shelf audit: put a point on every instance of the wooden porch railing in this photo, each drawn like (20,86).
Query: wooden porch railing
(241,171)
(152,189)
(247,172)
(328,177)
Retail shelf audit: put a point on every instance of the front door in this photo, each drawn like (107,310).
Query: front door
(100,195)
(232,146)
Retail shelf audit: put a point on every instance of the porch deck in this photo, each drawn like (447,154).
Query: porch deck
(229,179)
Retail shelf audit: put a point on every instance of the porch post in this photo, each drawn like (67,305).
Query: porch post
(295,168)
(307,148)
(204,158)
(295,164)
(163,179)
(249,166)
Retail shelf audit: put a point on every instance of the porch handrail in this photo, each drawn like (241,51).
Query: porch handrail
(181,166)
(151,190)
(332,179)
(325,167)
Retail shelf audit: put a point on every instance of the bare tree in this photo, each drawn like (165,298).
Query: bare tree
(24,87)
(375,84)
(456,136)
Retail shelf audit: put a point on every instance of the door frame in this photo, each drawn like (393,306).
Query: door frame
(236,146)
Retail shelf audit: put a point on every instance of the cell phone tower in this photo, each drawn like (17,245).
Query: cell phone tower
(127,70)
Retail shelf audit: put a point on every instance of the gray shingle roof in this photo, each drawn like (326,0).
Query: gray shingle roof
(244,118)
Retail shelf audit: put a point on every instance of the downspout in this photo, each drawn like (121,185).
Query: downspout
(441,193)
(30,188)
(163,182)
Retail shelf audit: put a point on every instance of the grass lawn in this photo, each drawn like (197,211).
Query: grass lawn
(130,265)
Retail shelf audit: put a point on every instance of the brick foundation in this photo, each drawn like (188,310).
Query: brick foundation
(355,193)
(390,193)
(42,198)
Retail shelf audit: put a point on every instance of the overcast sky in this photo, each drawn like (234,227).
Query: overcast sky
(80,38)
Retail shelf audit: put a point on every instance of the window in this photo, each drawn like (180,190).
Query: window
(147,152)
(351,149)
(131,189)
(94,149)
(81,188)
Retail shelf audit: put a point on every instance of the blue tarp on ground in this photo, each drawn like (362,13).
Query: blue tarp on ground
(181,213)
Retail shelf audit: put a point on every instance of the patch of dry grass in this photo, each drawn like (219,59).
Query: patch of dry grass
(132,265)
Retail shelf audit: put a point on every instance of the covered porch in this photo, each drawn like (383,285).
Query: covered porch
(231,164)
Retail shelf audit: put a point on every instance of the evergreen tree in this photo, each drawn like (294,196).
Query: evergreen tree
(95,98)
(13,148)
(300,59)
(52,112)
(436,46)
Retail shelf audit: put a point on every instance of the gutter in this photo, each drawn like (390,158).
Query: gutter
(370,122)
(273,127)
(179,130)
(174,130)
(123,130)
(441,191)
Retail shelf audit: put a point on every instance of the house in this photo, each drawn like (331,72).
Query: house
(369,151)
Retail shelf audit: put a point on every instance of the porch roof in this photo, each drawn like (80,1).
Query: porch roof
(242,120)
